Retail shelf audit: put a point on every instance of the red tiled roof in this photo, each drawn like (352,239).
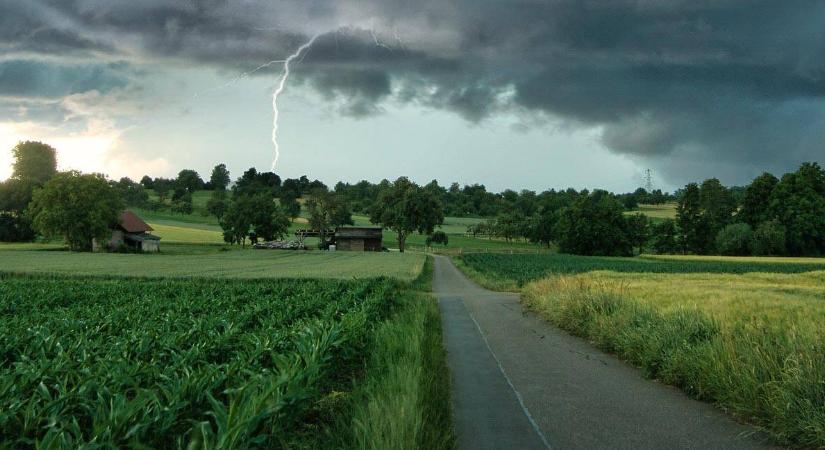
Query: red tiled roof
(131,223)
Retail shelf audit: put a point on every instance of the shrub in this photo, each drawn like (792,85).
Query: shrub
(734,239)
(768,239)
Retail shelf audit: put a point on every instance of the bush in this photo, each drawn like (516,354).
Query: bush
(768,239)
(734,239)
(438,237)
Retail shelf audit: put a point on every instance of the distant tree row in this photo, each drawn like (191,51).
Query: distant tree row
(475,201)
(770,216)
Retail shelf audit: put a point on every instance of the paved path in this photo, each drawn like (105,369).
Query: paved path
(519,383)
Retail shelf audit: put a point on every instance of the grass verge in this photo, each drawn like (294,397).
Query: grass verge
(765,368)
(404,400)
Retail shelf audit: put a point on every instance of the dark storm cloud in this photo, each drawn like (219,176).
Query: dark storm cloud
(721,82)
(36,79)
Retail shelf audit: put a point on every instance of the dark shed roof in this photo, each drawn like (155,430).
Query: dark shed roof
(131,223)
(359,233)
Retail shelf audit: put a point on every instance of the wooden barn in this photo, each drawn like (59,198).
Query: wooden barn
(359,239)
(131,232)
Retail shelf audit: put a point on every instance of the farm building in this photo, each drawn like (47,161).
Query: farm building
(359,239)
(131,232)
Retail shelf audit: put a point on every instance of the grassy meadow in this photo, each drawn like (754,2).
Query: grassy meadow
(745,333)
(656,213)
(210,261)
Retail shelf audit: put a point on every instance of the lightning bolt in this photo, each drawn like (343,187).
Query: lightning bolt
(279,90)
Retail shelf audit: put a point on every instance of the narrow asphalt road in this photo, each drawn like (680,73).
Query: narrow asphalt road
(519,383)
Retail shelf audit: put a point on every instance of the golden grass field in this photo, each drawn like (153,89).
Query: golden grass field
(753,343)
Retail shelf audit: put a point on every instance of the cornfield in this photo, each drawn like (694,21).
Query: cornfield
(177,363)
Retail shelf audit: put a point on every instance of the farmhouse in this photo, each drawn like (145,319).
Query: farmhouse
(359,239)
(130,232)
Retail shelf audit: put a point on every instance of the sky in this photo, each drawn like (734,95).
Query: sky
(521,94)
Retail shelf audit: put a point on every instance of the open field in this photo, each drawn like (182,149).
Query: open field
(752,343)
(510,272)
(657,213)
(205,261)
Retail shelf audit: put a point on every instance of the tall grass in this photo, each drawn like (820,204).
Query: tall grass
(404,400)
(766,369)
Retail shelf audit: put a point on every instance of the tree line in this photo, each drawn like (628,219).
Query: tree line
(769,216)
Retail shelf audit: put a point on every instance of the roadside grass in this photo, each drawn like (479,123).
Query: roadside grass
(509,272)
(753,343)
(404,400)
(187,261)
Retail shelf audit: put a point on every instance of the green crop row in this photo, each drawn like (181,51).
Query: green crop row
(503,271)
(100,363)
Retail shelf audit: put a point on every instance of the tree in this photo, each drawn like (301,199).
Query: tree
(718,205)
(189,181)
(35,162)
(147,182)
(638,228)
(327,210)
(404,207)
(183,203)
(734,239)
(132,193)
(594,225)
(798,203)
(693,225)
(162,187)
(269,221)
(217,203)
(756,200)
(768,239)
(542,226)
(290,205)
(237,221)
(219,178)
(256,215)
(77,207)
(438,237)
(665,237)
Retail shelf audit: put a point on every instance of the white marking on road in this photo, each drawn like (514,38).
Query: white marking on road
(513,387)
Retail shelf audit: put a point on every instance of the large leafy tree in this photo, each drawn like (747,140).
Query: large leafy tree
(76,207)
(756,200)
(798,203)
(694,228)
(188,181)
(255,214)
(35,162)
(718,205)
(327,210)
(594,225)
(219,178)
(404,207)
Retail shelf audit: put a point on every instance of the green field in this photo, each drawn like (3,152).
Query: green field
(657,213)
(173,363)
(205,261)
(510,272)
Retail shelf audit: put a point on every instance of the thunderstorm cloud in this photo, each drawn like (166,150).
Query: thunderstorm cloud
(721,84)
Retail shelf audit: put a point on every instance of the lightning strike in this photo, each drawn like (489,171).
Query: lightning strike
(279,90)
